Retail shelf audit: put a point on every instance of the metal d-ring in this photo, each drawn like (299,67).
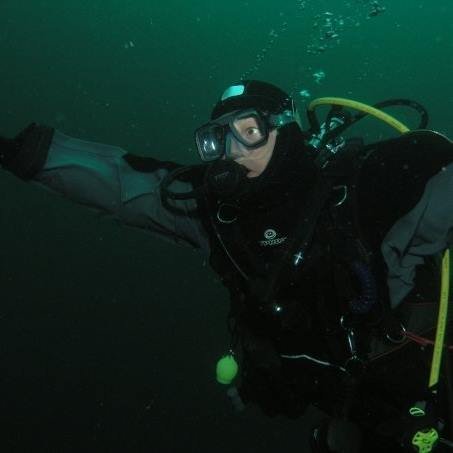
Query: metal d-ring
(345,195)
(222,220)
(397,340)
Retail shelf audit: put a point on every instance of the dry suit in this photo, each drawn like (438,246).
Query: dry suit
(389,210)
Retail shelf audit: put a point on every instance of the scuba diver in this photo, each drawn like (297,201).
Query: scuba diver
(332,251)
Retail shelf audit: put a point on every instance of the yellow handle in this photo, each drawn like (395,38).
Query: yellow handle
(441,321)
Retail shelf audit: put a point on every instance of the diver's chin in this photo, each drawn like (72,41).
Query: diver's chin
(252,174)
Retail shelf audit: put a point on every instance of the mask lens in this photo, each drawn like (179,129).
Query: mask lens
(210,142)
(248,130)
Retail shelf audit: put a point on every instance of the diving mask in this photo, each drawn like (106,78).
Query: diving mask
(250,128)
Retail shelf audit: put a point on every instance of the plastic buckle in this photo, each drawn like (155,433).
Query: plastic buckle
(425,441)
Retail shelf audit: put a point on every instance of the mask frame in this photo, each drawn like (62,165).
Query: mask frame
(212,137)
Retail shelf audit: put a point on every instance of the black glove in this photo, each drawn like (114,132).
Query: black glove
(8,149)
(26,154)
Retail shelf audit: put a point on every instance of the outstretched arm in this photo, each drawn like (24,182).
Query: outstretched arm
(426,230)
(105,178)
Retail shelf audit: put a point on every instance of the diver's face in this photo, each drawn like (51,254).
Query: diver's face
(254,160)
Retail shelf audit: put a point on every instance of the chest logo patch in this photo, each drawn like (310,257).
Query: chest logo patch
(271,238)
(270,234)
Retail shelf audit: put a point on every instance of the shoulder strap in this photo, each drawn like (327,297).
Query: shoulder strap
(297,247)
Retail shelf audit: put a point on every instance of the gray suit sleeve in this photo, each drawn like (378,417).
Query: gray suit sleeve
(96,175)
(426,230)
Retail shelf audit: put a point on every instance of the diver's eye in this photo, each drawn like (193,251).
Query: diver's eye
(252,131)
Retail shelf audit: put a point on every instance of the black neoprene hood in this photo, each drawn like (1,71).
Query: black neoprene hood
(252,94)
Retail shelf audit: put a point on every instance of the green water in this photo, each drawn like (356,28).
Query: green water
(109,337)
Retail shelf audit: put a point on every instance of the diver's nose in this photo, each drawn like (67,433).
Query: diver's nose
(235,150)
